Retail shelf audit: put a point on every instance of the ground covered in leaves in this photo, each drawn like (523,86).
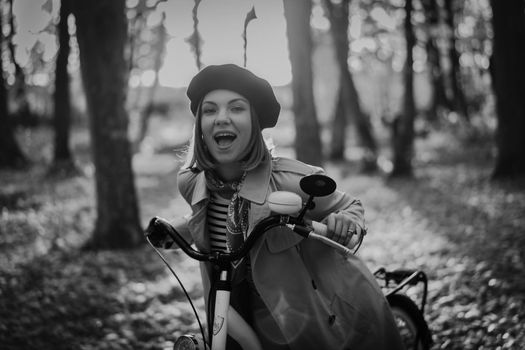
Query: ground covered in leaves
(464,230)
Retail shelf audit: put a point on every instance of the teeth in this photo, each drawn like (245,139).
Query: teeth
(225,134)
(224,138)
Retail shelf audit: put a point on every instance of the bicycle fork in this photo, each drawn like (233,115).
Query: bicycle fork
(219,327)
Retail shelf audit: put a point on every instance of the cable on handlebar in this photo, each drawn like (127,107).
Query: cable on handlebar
(359,244)
(181,285)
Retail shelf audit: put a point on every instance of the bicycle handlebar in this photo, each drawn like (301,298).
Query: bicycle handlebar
(316,231)
(162,226)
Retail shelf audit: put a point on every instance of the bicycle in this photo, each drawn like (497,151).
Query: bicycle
(283,204)
(409,316)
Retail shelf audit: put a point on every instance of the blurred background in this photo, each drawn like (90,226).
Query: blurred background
(414,106)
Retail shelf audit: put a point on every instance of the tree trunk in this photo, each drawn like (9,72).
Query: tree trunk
(307,140)
(403,126)
(195,38)
(63,161)
(363,125)
(19,87)
(460,103)
(146,113)
(339,29)
(439,95)
(102,35)
(509,84)
(339,20)
(11,155)
(338,140)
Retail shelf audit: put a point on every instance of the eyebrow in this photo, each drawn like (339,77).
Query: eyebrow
(230,101)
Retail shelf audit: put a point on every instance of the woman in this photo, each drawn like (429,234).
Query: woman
(296,293)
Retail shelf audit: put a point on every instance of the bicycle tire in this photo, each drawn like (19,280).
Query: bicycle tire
(410,322)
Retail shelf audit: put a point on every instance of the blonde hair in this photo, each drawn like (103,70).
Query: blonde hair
(199,157)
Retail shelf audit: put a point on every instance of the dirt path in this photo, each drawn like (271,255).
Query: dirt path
(451,221)
(466,233)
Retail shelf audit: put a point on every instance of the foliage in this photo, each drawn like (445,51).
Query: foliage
(465,232)
(451,221)
(461,228)
(147,38)
(71,300)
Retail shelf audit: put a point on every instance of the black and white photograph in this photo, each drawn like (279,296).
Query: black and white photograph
(262,174)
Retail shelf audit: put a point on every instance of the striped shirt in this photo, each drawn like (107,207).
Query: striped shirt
(217,213)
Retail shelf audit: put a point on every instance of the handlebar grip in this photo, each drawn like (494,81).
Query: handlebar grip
(159,228)
(321,230)
(161,233)
(155,235)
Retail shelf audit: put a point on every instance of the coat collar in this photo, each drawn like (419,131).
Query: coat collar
(200,191)
(255,186)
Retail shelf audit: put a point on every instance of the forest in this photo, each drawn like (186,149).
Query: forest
(415,107)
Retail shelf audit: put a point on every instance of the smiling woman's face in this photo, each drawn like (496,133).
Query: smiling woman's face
(226,125)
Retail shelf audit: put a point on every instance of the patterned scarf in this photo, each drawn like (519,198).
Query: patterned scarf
(238,208)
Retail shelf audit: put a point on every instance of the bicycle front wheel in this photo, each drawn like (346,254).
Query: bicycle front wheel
(410,322)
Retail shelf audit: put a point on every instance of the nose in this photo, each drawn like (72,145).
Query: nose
(222,117)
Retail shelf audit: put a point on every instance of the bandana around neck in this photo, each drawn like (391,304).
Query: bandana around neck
(237,219)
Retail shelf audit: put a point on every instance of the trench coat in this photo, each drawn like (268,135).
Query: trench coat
(318,298)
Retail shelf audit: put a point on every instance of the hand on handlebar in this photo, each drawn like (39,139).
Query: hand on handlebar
(352,239)
(157,233)
(340,228)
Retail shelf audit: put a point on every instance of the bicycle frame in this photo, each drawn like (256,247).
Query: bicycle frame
(222,261)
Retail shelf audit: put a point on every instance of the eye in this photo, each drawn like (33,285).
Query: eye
(208,110)
(237,108)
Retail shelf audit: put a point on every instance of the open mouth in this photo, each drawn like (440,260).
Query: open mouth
(225,139)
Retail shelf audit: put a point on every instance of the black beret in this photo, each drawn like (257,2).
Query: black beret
(232,77)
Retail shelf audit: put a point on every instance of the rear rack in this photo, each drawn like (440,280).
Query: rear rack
(402,278)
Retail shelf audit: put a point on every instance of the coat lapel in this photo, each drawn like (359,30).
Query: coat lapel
(197,226)
(200,190)
(256,184)
(256,188)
